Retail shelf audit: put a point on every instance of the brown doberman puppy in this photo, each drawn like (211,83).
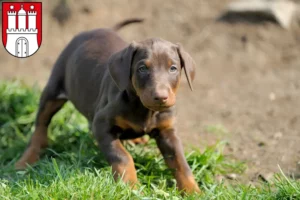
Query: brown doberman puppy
(125,91)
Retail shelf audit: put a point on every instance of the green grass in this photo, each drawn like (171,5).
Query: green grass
(73,167)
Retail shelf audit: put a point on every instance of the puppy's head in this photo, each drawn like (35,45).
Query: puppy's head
(152,68)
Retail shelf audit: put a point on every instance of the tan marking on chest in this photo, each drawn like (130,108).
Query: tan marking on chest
(125,124)
(161,125)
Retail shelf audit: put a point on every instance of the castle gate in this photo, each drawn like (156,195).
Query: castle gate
(22,47)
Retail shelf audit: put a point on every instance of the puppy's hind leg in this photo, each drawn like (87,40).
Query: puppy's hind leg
(50,103)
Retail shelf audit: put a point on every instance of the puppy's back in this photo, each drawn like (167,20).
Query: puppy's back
(81,66)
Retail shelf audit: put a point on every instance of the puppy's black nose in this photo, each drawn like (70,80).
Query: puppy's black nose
(161,97)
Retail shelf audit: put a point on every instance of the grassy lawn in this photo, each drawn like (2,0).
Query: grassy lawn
(73,167)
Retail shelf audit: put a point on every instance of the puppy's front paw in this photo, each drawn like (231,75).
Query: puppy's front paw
(188,185)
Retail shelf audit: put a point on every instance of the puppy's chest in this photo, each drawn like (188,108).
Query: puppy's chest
(144,126)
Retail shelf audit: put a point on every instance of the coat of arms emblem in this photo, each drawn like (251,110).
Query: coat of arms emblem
(22,27)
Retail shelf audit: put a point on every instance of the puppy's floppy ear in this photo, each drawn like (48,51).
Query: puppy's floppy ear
(119,66)
(188,64)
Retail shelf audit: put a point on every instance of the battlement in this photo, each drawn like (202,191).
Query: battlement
(22,31)
(31,13)
(11,13)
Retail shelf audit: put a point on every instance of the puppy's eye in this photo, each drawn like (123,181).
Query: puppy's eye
(143,69)
(173,69)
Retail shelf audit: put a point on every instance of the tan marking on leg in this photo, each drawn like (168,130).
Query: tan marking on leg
(126,171)
(185,183)
(39,138)
(171,148)
(37,142)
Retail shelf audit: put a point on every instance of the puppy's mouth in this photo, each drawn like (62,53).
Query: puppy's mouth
(158,107)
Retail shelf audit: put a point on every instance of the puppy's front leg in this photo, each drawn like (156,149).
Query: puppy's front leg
(172,151)
(115,153)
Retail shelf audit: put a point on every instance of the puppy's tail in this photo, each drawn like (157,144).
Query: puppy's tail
(121,24)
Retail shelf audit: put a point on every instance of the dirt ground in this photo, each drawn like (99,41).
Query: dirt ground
(247,87)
